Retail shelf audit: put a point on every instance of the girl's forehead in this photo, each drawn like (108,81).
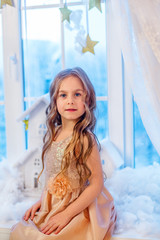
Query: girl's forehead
(71,82)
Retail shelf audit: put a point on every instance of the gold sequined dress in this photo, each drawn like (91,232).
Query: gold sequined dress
(97,222)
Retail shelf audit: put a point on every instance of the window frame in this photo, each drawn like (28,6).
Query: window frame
(120,101)
(12,59)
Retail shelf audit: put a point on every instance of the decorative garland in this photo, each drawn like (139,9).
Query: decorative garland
(86,45)
(95,3)
(8,2)
(89,47)
(65,12)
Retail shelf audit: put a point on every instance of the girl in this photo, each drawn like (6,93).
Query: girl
(74,203)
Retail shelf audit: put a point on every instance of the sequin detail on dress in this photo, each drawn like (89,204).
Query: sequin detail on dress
(54,157)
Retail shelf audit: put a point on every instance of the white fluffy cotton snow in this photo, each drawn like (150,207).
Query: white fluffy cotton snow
(12,201)
(136,194)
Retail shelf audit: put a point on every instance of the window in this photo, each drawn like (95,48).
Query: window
(50,45)
(145,153)
(2,114)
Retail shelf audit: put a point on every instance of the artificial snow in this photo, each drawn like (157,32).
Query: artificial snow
(136,194)
(13,204)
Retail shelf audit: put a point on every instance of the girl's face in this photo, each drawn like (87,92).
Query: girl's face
(70,99)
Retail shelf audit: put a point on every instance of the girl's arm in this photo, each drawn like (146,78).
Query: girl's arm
(59,221)
(93,189)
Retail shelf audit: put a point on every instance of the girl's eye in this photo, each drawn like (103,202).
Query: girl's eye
(77,94)
(63,95)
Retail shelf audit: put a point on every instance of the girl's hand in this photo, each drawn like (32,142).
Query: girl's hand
(30,213)
(56,223)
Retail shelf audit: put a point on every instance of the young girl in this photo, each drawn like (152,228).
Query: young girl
(74,204)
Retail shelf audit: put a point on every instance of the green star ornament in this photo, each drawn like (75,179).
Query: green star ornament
(89,45)
(26,122)
(65,13)
(95,3)
(4,2)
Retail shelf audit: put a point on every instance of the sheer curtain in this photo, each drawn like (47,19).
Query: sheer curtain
(138,30)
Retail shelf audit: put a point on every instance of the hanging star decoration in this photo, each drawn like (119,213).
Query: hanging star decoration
(95,3)
(8,2)
(26,122)
(65,13)
(89,45)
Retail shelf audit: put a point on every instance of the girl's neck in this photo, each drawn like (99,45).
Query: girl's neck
(67,126)
(64,131)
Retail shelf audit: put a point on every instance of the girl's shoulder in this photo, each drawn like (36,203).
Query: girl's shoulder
(90,138)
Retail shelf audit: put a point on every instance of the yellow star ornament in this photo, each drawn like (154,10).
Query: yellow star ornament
(26,122)
(89,45)
(65,13)
(4,2)
(95,3)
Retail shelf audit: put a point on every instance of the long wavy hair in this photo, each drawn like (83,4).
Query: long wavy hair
(83,128)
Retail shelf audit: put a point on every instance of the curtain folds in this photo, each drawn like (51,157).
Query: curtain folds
(138,29)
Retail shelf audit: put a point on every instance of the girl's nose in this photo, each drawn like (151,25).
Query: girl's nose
(70,100)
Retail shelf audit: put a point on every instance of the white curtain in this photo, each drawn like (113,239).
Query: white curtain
(138,29)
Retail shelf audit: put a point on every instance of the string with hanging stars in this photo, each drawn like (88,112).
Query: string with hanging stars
(90,44)
(95,3)
(65,12)
(8,2)
(26,122)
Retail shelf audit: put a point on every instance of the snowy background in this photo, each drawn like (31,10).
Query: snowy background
(136,193)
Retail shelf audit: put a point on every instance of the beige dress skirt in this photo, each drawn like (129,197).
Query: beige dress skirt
(97,222)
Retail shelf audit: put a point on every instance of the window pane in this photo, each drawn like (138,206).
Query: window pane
(2,133)
(2,116)
(1,63)
(39,2)
(145,153)
(46,2)
(75,33)
(101,129)
(75,1)
(42,53)
(46,46)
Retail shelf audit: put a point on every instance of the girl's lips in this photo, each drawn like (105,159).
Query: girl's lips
(71,110)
